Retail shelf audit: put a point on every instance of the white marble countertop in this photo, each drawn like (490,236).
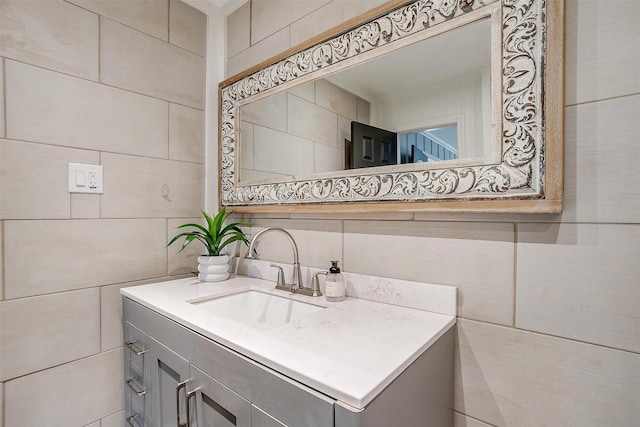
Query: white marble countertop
(351,350)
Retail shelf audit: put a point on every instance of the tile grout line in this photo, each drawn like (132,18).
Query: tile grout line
(3,87)
(516,230)
(545,334)
(70,147)
(474,418)
(103,84)
(2,260)
(609,98)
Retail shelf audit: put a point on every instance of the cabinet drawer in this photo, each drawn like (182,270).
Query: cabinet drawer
(290,402)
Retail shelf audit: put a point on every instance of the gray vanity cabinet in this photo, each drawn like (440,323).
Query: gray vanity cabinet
(175,376)
(217,386)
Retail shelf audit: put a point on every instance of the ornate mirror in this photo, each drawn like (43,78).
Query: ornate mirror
(432,105)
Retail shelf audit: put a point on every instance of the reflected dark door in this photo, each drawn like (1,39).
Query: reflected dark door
(373,146)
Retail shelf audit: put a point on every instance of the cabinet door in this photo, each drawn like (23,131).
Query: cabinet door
(169,376)
(215,404)
(259,418)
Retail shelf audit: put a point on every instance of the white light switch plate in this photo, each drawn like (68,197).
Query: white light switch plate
(85,178)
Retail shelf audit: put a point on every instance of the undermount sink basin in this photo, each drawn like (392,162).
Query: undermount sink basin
(257,309)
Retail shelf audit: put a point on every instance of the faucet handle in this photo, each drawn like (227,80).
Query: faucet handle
(280,281)
(315,284)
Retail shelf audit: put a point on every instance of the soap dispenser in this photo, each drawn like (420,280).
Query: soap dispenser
(334,284)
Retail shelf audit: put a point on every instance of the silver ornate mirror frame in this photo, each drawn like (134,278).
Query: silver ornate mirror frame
(527,176)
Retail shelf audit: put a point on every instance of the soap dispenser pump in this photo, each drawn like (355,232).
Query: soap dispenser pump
(334,284)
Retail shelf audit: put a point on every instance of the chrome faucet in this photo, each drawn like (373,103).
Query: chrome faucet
(296,280)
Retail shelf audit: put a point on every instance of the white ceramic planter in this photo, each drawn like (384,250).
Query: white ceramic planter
(213,268)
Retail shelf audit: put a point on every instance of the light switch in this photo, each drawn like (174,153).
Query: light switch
(85,178)
(79,178)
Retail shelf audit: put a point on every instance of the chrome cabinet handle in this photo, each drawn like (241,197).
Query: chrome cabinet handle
(189,396)
(132,421)
(130,382)
(181,386)
(137,352)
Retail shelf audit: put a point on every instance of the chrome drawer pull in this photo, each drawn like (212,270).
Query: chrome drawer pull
(137,352)
(131,382)
(180,386)
(132,421)
(189,396)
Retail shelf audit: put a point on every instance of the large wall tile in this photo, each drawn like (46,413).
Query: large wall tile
(270,16)
(52,108)
(508,377)
(312,122)
(111,316)
(81,254)
(1,266)
(187,27)
(115,420)
(186,261)
(238,30)
(40,332)
(35,180)
(329,16)
(2,126)
(257,53)
(73,394)
(319,241)
(601,161)
(170,73)
(85,205)
(46,33)
(111,312)
(186,134)
(477,258)
(602,46)
(580,281)
(143,187)
(150,17)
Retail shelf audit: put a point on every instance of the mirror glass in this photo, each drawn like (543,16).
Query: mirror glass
(427,102)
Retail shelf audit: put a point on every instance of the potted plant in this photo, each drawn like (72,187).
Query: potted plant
(214,265)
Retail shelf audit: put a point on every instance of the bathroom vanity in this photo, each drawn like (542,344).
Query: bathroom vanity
(241,353)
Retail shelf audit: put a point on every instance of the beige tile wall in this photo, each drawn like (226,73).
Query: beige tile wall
(127,55)
(64,257)
(548,319)
(150,17)
(46,34)
(73,394)
(2,127)
(98,117)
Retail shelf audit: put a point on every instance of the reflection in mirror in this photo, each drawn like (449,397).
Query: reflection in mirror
(429,145)
(431,101)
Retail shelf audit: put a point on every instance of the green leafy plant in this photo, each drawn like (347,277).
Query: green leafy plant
(216,236)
